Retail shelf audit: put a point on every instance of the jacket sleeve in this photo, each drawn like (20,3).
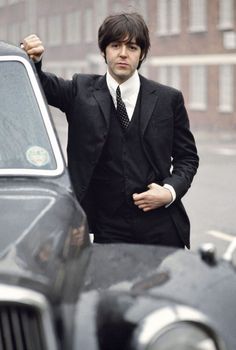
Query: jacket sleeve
(185,159)
(58,91)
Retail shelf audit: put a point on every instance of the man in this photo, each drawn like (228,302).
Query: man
(130,161)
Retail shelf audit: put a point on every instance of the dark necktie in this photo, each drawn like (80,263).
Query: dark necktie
(121,110)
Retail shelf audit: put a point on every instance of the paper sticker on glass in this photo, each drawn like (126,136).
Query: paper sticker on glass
(38,156)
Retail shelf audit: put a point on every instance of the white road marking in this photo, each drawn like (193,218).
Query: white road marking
(221,235)
(226,152)
(230,251)
(225,237)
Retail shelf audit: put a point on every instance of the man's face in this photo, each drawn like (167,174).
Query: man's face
(122,59)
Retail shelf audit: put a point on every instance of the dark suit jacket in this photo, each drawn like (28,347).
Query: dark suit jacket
(164,127)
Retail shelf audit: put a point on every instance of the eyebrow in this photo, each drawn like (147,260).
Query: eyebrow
(126,41)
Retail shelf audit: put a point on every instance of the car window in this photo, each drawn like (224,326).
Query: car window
(24,140)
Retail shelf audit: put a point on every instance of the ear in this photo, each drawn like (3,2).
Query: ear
(141,57)
(104,56)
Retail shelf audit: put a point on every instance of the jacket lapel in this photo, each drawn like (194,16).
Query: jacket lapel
(103,98)
(149,98)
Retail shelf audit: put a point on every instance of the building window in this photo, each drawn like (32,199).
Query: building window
(2,3)
(198,88)
(88,25)
(54,30)
(14,33)
(73,27)
(169,75)
(198,15)
(101,10)
(226,88)
(138,6)
(3,32)
(42,29)
(226,14)
(168,17)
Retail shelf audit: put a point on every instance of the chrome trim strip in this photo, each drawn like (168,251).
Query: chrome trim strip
(20,295)
(51,134)
(158,321)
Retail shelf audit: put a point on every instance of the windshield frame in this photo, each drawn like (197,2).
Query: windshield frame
(60,164)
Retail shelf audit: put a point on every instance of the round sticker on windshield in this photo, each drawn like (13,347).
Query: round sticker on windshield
(38,156)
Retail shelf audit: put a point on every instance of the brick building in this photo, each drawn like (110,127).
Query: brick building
(193,45)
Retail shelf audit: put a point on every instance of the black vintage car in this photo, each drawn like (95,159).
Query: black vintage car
(60,291)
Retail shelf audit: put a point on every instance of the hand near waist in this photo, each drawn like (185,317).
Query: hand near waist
(155,197)
(33,47)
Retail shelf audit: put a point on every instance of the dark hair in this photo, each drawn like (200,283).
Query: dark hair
(125,25)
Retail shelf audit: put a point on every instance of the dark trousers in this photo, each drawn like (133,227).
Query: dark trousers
(132,225)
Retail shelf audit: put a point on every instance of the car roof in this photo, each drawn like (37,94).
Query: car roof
(7,49)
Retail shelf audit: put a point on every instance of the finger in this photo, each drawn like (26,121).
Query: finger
(138,196)
(140,202)
(35,51)
(147,209)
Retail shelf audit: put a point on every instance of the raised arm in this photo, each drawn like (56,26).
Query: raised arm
(33,47)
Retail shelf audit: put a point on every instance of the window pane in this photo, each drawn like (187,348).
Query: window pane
(54,30)
(174,14)
(198,87)
(226,14)
(162,10)
(24,143)
(73,27)
(198,15)
(88,25)
(226,87)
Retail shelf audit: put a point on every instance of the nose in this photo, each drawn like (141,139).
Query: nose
(123,51)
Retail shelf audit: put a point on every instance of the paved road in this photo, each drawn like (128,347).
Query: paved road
(211,202)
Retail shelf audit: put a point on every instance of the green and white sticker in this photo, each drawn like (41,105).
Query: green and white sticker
(38,156)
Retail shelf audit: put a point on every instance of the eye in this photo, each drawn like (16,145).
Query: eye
(133,47)
(114,45)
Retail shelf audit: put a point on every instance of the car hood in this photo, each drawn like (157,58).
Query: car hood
(129,282)
(36,225)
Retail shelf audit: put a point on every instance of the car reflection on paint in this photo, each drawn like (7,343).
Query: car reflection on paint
(57,290)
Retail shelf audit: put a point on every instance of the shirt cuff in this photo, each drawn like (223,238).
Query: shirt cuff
(172,191)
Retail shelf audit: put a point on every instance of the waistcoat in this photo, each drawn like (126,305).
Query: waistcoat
(123,168)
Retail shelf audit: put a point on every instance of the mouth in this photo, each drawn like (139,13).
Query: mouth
(122,64)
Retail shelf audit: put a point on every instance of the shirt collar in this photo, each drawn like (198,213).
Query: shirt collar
(128,89)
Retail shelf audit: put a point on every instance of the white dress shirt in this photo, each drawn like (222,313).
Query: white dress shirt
(129,94)
(129,91)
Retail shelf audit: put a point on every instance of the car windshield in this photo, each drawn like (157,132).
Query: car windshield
(24,139)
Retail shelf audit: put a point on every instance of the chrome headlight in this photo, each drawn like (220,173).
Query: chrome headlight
(179,328)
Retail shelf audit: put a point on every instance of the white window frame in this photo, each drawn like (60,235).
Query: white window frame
(168,17)
(226,14)
(42,28)
(101,11)
(169,75)
(14,33)
(198,88)
(162,23)
(55,30)
(3,31)
(226,88)
(175,14)
(73,27)
(197,16)
(88,25)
